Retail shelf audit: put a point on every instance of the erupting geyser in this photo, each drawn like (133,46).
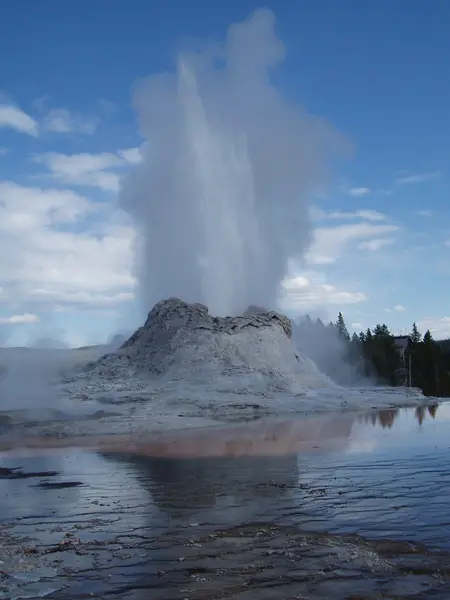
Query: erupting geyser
(221,199)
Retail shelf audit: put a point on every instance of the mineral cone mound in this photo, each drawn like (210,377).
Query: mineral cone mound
(183,342)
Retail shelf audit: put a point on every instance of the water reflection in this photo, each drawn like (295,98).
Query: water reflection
(191,486)
(248,511)
(386,418)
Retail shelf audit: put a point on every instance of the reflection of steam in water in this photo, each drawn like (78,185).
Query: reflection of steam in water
(200,484)
(245,468)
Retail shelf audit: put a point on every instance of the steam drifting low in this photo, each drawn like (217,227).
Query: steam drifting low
(220,202)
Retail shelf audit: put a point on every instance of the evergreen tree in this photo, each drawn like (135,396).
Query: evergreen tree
(428,338)
(381,353)
(415,334)
(381,331)
(356,358)
(428,365)
(342,328)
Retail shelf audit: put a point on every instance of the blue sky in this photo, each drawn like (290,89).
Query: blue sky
(378,72)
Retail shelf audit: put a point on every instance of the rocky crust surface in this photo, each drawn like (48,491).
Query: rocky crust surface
(181,341)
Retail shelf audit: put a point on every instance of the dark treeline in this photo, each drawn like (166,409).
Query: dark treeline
(376,355)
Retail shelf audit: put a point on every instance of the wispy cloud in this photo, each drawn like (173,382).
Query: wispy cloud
(310,290)
(417,178)
(24,319)
(358,192)
(61,120)
(75,298)
(91,170)
(375,244)
(330,242)
(15,118)
(107,107)
(397,308)
(367,215)
(133,156)
(317,214)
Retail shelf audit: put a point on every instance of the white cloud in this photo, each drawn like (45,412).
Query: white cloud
(357,326)
(42,295)
(310,290)
(371,215)
(26,318)
(107,107)
(358,192)
(375,244)
(438,326)
(61,120)
(368,215)
(57,256)
(133,156)
(397,308)
(91,170)
(23,209)
(76,165)
(417,178)
(425,213)
(317,214)
(329,243)
(13,117)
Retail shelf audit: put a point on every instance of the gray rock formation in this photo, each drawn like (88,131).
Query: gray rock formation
(183,342)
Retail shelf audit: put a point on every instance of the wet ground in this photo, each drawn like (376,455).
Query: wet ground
(368,518)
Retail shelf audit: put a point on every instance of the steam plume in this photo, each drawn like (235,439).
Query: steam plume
(221,199)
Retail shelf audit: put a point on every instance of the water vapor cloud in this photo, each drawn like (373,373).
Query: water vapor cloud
(221,199)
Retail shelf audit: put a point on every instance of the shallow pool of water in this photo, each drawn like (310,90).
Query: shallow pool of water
(365,518)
